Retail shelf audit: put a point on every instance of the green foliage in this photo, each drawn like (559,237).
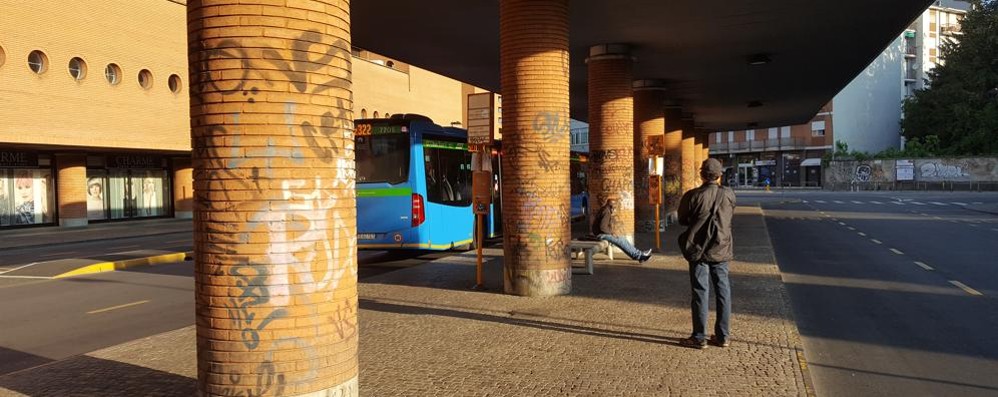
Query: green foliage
(958,114)
(914,148)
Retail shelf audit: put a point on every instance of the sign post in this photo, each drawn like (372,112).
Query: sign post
(655,145)
(481,133)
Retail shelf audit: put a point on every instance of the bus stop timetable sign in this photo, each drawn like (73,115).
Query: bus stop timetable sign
(481,120)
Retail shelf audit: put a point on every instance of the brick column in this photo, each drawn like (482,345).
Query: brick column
(611,133)
(274,210)
(697,150)
(183,188)
(649,120)
(72,189)
(672,183)
(690,177)
(706,145)
(536,192)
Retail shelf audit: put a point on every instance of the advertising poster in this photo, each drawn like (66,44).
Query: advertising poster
(96,204)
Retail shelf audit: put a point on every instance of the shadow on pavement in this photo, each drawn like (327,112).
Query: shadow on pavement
(90,376)
(15,360)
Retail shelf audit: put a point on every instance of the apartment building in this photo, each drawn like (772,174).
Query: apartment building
(865,115)
(96,110)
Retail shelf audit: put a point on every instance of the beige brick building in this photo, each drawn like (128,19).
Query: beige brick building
(96,115)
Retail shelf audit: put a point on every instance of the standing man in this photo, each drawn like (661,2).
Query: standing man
(706,244)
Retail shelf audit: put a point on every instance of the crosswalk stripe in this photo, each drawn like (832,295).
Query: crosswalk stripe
(896,251)
(877,203)
(839,202)
(924,266)
(804,201)
(820,201)
(857,202)
(875,241)
(938,203)
(897,203)
(959,203)
(917,203)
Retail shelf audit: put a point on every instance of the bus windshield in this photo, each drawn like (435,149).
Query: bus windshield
(382,158)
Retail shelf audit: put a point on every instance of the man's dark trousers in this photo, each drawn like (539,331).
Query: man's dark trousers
(716,274)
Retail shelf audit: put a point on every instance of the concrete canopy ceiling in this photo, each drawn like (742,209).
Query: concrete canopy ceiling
(699,47)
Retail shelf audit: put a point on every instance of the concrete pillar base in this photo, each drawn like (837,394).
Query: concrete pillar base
(347,389)
(537,283)
(72,222)
(183,214)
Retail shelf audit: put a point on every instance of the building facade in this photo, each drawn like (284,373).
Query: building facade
(96,111)
(865,115)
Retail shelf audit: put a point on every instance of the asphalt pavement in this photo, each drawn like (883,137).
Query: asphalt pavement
(893,293)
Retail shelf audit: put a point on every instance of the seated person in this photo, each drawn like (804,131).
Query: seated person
(603,228)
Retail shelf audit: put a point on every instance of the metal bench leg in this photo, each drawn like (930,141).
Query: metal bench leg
(589,260)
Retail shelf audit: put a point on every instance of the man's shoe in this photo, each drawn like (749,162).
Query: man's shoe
(719,342)
(694,343)
(645,256)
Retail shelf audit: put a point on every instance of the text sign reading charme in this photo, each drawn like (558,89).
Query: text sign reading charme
(18,159)
(481,121)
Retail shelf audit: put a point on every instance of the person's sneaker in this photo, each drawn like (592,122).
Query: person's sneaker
(714,340)
(694,343)
(645,256)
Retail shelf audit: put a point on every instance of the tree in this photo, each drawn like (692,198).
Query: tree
(961,105)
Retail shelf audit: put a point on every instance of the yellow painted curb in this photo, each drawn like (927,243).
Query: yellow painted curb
(101,267)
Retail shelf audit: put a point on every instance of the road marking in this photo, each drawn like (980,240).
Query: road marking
(917,203)
(977,203)
(857,202)
(51,254)
(852,228)
(107,309)
(835,219)
(959,203)
(123,247)
(804,201)
(839,202)
(896,251)
(936,217)
(861,234)
(924,266)
(875,241)
(938,203)
(973,225)
(842,223)
(31,277)
(18,268)
(965,288)
(994,230)
(897,203)
(877,202)
(820,201)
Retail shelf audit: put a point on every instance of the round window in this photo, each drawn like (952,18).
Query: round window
(175,83)
(145,78)
(38,62)
(77,68)
(3,56)
(113,74)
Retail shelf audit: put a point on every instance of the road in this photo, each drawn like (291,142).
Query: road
(893,293)
(44,320)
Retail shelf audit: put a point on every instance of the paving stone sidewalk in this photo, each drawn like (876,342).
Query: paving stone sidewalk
(49,235)
(424,333)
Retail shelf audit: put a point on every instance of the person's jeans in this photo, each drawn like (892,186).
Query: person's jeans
(718,277)
(623,244)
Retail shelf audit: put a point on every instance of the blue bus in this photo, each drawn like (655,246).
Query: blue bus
(414,185)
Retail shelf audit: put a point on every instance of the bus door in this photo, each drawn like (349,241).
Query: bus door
(447,173)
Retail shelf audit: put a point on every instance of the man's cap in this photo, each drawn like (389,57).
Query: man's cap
(712,166)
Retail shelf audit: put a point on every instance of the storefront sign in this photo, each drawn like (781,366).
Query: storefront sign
(134,161)
(10,159)
(905,170)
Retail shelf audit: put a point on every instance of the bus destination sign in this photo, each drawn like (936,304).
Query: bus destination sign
(371,129)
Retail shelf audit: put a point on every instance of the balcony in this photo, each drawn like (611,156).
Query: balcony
(910,75)
(910,51)
(767,145)
(951,29)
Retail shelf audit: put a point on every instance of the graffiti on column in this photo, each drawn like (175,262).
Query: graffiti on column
(304,236)
(672,183)
(537,211)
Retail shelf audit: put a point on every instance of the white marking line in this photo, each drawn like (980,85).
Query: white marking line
(977,203)
(938,203)
(851,228)
(897,203)
(973,225)
(861,234)
(936,217)
(839,202)
(820,201)
(924,266)
(30,277)
(19,267)
(842,223)
(857,202)
(877,203)
(965,288)
(896,251)
(959,203)
(917,203)
(875,241)
(804,201)
(107,309)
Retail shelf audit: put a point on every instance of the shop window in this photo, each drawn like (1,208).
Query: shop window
(175,83)
(145,79)
(27,197)
(112,73)
(77,68)
(38,62)
(134,193)
(97,203)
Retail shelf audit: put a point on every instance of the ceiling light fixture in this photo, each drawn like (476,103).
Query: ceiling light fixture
(758,59)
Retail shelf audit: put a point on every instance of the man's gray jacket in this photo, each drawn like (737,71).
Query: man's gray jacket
(703,241)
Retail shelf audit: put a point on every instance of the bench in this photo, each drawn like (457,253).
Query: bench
(590,248)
